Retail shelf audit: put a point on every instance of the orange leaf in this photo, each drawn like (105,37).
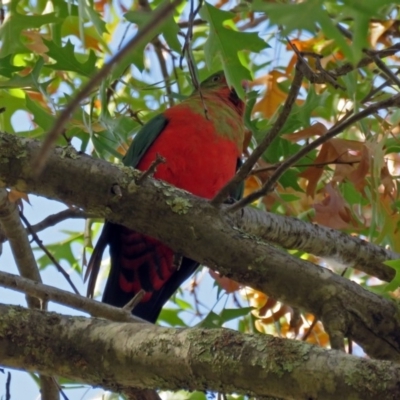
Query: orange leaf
(251,184)
(273,97)
(35,43)
(14,196)
(378,31)
(227,284)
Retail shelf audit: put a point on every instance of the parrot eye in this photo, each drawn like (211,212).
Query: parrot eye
(216,78)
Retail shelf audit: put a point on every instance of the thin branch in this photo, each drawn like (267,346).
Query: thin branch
(26,264)
(20,246)
(136,299)
(269,137)
(50,293)
(54,219)
(187,49)
(338,128)
(159,15)
(151,170)
(48,253)
(195,22)
(158,47)
(320,164)
(383,67)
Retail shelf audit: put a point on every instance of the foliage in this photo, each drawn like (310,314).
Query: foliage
(50,49)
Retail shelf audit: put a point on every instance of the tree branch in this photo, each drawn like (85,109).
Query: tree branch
(292,233)
(77,302)
(143,355)
(196,229)
(25,260)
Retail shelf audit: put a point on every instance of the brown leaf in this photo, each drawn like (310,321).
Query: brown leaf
(388,182)
(333,211)
(317,129)
(352,162)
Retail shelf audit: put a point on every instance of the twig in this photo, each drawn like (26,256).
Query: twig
(321,164)
(50,293)
(54,219)
(136,299)
(310,329)
(158,17)
(151,170)
(159,53)
(8,384)
(186,49)
(269,137)
(383,67)
(196,22)
(48,253)
(285,165)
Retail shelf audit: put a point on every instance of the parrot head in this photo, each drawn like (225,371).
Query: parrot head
(218,83)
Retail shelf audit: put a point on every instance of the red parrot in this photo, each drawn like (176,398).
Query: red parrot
(201,140)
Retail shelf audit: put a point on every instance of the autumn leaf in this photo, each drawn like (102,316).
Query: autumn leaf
(317,129)
(351,160)
(273,97)
(15,196)
(333,211)
(227,284)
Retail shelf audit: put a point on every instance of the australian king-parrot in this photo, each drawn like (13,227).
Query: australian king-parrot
(201,140)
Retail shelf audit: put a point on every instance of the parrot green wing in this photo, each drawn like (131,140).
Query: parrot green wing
(144,139)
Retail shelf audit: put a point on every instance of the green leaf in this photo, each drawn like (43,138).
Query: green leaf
(170,316)
(66,59)
(10,31)
(12,100)
(170,28)
(229,314)
(41,117)
(224,44)
(6,66)
(28,81)
(395,282)
(305,15)
(213,320)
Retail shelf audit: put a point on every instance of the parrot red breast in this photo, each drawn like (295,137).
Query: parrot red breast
(201,140)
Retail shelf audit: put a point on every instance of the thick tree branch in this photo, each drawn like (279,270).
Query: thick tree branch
(196,229)
(292,233)
(142,355)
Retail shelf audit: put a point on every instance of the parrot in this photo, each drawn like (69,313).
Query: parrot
(201,140)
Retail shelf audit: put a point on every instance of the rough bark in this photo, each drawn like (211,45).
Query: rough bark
(194,228)
(122,355)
